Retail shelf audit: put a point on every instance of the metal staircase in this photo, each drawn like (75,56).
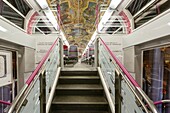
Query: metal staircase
(109,88)
(79,91)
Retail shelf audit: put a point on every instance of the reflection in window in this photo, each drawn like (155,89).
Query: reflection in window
(20,5)
(10,14)
(156,75)
(136,5)
(148,13)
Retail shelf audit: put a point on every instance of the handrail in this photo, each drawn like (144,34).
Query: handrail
(121,66)
(4,102)
(161,102)
(31,78)
(131,79)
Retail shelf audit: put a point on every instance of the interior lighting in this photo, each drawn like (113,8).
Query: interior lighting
(3,29)
(114,4)
(169,23)
(44,5)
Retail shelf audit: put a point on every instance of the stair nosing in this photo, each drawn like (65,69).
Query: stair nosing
(82,103)
(83,77)
(79,88)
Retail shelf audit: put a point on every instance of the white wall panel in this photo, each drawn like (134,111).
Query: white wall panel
(43,43)
(15,35)
(114,42)
(129,58)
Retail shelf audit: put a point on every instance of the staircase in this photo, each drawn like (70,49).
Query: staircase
(79,92)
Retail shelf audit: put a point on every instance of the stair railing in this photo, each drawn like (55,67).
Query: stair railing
(4,102)
(4,105)
(166,105)
(37,88)
(125,92)
(162,102)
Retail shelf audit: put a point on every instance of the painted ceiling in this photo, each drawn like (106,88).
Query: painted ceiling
(78,20)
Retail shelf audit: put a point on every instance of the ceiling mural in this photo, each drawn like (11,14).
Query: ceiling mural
(78,20)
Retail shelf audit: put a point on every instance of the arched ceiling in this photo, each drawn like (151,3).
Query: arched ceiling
(78,19)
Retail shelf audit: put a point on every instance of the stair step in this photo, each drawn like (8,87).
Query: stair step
(83,107)
(79,92)
(84,103)
(79,79)
(79,100)
(79,86)
(79,89)
(77,73)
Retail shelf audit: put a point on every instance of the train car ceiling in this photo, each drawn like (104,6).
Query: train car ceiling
(78,19)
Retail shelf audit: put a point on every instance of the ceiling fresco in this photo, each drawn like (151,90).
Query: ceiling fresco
(78,20)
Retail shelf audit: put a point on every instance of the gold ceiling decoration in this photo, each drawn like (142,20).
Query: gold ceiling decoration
(78,19)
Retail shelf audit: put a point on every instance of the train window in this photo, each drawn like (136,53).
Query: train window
(20,5)
(8,13)
(152,12)
(156,75)
(136,5)
(145,10)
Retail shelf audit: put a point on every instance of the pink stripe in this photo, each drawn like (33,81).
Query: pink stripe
(121,66)
(125,17)
(158,102)
(6,103)
(30,79)
(30,23)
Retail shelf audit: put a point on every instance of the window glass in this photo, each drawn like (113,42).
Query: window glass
(156,75)
(20,5)
(8,13)
(149,13)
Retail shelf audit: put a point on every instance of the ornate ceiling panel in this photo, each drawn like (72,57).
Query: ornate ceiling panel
(78,20)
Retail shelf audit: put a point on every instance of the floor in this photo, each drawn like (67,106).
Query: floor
(79,66)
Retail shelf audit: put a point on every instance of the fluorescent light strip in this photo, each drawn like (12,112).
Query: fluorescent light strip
(48,13)
(169,23)
(3,29)
(115,3)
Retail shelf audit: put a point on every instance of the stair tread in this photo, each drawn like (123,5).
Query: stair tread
(79,100)
(79,86)
(79,77)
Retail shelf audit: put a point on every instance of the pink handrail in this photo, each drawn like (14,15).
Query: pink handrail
(132,80)
(161,102)
(4,102)
(30,79)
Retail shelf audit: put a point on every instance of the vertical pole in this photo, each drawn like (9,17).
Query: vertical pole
(61,53)
(42,93)
(96,53)
(117,92)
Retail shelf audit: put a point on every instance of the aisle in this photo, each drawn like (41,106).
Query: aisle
(79,66)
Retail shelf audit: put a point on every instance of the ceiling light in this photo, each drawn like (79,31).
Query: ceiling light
(169,23)
(3,29)
(42,3)
(114,4)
